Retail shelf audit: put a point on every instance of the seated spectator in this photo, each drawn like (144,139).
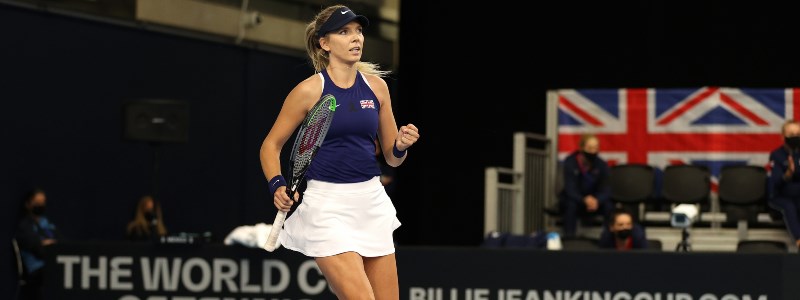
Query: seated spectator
(586,191)
(623,233)
(784,179)
(34,233)
(147,223)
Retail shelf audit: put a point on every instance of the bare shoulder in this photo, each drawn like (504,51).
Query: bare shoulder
(379,87)
(311,85)
(376,82)
(307,91)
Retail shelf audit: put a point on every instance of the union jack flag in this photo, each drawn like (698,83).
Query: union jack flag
(711,126)
(367,104)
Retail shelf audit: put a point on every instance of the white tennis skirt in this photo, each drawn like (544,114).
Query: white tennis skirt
(334,218)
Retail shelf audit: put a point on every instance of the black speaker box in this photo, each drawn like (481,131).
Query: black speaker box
(156,120)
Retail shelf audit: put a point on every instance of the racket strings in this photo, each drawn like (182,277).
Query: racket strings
(312,134)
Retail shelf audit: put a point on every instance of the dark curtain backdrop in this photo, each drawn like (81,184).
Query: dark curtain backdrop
(63,83)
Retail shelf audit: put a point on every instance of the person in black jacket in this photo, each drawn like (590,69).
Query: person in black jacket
(34,233)
(784,180)
(623,233)
(586,191)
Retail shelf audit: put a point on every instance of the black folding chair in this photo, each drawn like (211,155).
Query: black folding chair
(742,195)
(579,244)
(761,246)
(687,184)
(632,186)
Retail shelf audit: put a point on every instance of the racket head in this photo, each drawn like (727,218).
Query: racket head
(310,136)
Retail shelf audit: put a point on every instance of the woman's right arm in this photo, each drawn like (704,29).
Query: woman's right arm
(28,240)
(292,113)
(572,188)
(777,174)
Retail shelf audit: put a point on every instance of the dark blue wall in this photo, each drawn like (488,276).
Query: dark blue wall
(63,82)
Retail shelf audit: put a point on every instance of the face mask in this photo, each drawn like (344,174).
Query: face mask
(793,141)
(590,156)
(623,234)
(37,210)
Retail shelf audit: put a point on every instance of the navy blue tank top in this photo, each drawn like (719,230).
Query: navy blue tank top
(348,153)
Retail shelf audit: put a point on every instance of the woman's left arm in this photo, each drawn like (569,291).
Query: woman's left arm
(394,142)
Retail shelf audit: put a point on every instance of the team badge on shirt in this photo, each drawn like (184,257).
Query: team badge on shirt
(367,104)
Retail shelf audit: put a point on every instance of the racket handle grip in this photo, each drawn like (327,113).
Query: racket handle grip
(277,225)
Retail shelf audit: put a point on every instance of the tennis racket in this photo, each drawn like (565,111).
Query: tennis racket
(308,140)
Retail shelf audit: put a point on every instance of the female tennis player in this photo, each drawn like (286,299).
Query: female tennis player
(346,219)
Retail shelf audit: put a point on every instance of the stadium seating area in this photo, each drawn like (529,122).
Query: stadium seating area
(732,205)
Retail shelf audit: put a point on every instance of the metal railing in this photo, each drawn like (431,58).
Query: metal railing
(503,202)
(515,198)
